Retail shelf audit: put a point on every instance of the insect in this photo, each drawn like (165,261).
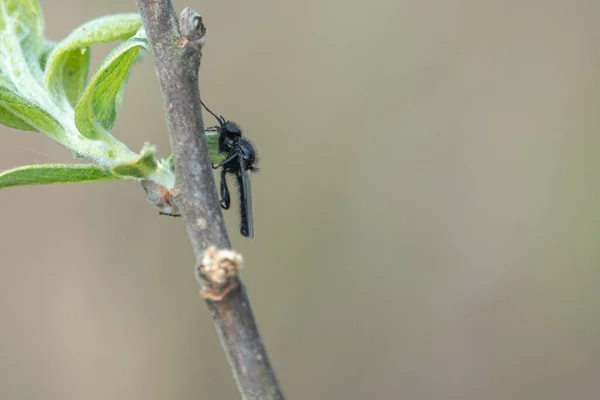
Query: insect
(235,155)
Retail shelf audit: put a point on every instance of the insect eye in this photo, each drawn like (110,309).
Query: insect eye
(233,129)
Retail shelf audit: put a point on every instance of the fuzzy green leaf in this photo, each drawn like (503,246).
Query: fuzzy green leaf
(97,110)
(12,121)
(21,37)
(67,68)
(18,112)
(170,164)
(22,51)
(54,173)
(70,76)
(212,139)
(40,81)
(47,48)
(141,168)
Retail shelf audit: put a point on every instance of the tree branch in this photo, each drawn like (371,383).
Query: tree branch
(177,53)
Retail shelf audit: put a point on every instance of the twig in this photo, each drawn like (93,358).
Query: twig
(177,53)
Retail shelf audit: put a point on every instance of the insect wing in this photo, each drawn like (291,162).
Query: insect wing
(247,223)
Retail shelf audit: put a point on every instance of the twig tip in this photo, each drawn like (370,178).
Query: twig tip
(192,27)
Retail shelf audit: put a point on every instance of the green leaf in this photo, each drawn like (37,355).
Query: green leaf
(40,81)
(54,173)
(22,51)
(21,36)
(18,112)
(170,164)
(12,121)
(70,77)
(97,109)
(141,168)
(67,68)
(47,47)
(212,139)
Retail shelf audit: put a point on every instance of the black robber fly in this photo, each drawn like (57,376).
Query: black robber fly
(235,155)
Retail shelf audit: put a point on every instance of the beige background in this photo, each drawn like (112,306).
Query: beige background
(427,213)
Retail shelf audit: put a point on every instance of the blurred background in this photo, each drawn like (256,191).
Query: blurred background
(427,212)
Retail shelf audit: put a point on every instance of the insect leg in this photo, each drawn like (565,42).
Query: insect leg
(225,161)
(225,199)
